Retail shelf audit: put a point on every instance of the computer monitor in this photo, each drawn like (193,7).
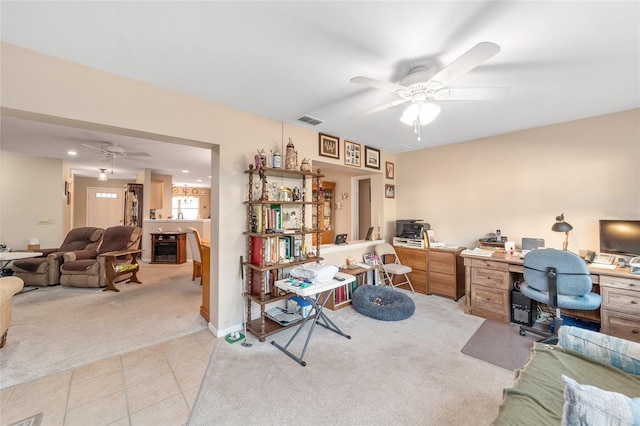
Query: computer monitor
(620,237)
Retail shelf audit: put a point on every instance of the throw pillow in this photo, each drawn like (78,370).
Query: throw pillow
(620,353)
(589,405)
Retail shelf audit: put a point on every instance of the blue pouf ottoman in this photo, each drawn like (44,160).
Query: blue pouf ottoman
(383,303)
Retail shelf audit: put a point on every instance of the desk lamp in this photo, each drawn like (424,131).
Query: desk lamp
(562,226)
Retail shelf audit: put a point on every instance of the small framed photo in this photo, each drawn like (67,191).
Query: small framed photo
(390,191)
(390,170)
(371,258)
(329,146)
(431,237)
(371,157)
(352,154)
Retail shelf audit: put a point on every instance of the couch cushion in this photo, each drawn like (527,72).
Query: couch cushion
(589,405)
(84,266)
(81,239)
(37,265)
(537,397)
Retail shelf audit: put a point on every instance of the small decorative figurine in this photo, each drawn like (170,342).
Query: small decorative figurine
(291,157)
(263,157)
(305,166)
(275,155)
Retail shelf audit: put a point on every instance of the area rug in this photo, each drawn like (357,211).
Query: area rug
(407,372)
(500,344)
(58,328)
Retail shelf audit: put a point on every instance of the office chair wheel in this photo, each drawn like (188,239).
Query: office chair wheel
(523,332)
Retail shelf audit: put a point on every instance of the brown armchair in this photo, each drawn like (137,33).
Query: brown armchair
(115,260)
(45,270)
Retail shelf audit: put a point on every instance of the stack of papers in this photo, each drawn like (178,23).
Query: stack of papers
(478,252)
(283,316)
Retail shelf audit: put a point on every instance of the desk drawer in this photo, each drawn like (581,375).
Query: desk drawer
(621,300)
(620,282)
(490,278)
(490,264)
(442,262)
(620,324)
(414,258)
(490,303)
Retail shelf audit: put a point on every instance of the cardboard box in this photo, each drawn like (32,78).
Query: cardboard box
(299,305)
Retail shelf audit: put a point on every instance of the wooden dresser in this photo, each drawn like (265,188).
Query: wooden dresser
(446,272)
(418,260)
(620,310)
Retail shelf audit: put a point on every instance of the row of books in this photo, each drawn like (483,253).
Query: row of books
(344,293)
(281,249)
(273,215)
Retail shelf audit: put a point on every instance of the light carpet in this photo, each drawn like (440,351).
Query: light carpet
(500,344)
(408,372)
(58,328)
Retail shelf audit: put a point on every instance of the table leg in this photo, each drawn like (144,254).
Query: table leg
(327,323)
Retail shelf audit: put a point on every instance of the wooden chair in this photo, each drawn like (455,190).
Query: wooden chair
(196,252)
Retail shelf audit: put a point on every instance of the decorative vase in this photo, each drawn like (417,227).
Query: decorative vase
(305,166)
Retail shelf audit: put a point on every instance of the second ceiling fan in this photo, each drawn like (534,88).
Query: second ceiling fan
(423,84)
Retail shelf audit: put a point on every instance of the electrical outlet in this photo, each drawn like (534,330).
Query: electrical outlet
(46,221)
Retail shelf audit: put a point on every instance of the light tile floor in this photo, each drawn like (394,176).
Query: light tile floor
(152,386)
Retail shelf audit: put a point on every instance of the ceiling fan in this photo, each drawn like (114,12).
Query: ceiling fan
(112,150)
(423,84)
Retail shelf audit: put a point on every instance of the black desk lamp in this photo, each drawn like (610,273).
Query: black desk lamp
(562,226)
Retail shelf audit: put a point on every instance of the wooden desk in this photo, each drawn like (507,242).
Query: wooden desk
(206,277)
(489,280)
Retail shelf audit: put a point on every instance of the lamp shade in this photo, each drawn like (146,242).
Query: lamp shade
(420,113)
(561,225)
(102,176)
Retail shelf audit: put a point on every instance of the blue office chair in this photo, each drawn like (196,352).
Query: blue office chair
(560,279)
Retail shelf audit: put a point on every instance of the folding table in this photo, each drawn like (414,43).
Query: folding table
(322,291)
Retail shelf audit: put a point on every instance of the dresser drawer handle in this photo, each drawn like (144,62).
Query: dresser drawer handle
(635,331)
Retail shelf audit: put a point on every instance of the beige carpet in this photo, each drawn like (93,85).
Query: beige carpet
(409,372)
(500,344)
(58,328)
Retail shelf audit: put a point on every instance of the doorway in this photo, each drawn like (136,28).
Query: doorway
(362,207)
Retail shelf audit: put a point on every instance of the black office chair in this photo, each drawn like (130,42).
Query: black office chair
(560,279)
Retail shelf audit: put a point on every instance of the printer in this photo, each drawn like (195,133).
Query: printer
(410,233)
(411,228)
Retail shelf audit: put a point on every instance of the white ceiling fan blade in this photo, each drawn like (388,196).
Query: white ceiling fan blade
(378,84)
(93,147)
(468,61)
(380,108)
(471,93)
(136,154)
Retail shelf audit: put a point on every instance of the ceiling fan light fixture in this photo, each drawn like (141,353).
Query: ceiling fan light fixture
(420,113)
(102,176)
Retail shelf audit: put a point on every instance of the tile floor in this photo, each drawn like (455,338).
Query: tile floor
(152,386)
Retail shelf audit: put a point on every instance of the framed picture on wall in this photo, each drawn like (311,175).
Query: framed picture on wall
(329,146)
(352,154)
(371,157)
(390,191)
(390,170)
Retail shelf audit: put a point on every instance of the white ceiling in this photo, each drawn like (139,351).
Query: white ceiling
(562,60)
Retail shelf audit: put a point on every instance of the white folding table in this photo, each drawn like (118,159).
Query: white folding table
(322,291)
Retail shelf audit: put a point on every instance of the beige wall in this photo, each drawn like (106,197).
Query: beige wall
(465,190)
(519,182)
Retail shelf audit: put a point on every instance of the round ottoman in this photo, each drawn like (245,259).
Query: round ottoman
(382,302)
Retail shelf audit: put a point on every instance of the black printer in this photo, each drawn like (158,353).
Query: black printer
(411,228)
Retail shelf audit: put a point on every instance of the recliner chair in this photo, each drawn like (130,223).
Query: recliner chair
(560,279)
(115,260)
(45,270)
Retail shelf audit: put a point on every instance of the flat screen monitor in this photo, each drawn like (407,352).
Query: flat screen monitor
(620,237)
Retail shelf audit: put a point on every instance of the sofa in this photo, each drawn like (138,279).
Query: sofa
(588,378)
(8,287)
(45,270)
